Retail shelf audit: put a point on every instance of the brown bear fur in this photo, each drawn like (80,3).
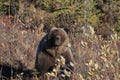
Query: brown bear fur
(52,46)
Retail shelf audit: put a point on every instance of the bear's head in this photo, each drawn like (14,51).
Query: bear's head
(57,37)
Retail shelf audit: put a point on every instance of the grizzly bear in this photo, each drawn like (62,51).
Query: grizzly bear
(53,45)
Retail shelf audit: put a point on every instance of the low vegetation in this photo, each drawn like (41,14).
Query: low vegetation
(93,31)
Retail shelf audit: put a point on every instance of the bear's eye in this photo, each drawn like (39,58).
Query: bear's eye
(57,37)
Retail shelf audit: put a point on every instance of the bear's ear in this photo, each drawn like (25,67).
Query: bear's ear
(66,30)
